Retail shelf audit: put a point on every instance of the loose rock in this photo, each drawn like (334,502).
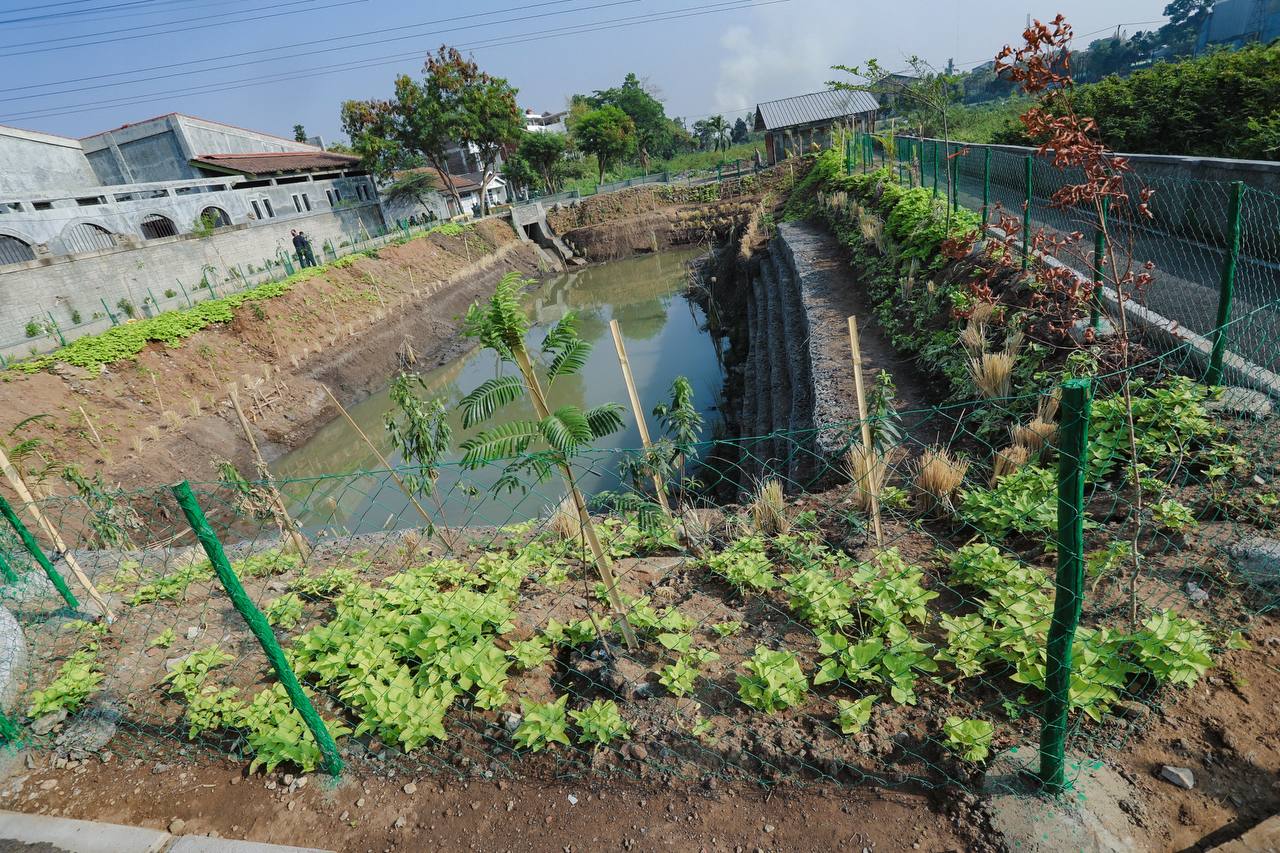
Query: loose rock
(1180,776)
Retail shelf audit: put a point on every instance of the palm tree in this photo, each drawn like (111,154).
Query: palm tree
(719,130)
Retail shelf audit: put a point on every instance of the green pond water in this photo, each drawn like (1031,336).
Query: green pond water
(664,339)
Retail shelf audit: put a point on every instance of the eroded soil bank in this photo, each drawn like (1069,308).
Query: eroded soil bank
(166,416)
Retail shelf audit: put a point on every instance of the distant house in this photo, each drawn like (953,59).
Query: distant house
(431,200)
(1234,23)
(545,122)
(792,125)
(890,89)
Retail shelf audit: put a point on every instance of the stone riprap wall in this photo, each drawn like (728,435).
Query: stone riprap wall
(63,287)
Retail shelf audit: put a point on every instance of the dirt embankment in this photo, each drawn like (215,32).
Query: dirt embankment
(653,217)
(165,415)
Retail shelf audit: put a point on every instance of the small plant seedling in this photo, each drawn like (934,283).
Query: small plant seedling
(970,738)
(544,723)
(852,717)
(1172,516)
(529,654)
(774,681)
(727,629)
(600,723)
(163,640)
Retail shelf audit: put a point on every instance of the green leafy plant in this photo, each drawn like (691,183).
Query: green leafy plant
(970,738)
(728,628)
(529,654)
(1172,516)
(852,717)
(266,563)
(173,586)
(419,430)
(284,611)
(542,725)
(774,680)
(679,677)
(600,723)
(163,640)
(745,565)
(330,583)
(77,679)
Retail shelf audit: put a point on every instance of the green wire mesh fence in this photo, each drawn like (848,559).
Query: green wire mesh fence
(778,634)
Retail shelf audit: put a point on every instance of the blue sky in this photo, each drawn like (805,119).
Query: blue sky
(268,64)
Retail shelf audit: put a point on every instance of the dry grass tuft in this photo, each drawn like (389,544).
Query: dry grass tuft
(1008,461)
(769,510)
(196,409)
(152,433)
(564,521)
(983,313)
(939,476)
(868,472)
(992,373)
(1034,436)
(974,337)
(1047,407)
(171,419)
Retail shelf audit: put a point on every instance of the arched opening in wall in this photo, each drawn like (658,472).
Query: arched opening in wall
(214,217)
(156,226)
(86,237)
(15,251)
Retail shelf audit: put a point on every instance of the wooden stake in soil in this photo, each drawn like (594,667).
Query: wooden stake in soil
(872,488)
(155,384)
(97,439)
(285,520)
(426,516)
(24,495)
(635,408)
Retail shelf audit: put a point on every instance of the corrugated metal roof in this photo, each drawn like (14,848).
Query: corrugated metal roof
(815,107)
(270,162)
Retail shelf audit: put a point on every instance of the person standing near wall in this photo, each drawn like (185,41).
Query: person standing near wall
(306,250)
(298,250)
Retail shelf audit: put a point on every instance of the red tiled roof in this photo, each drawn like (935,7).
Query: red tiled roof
(271,162)
(461,183)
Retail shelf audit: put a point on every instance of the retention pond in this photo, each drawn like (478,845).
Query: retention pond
(334,481)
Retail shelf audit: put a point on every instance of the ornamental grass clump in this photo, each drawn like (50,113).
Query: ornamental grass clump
(938,477)
(769,510)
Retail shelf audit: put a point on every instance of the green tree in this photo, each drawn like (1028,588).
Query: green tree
(741,133)
(501,326)
(420,123)
(719,131)
(544,151)
(607,133)
(654,132)
(419,430)
(299,133)
(519,174)
(488,119)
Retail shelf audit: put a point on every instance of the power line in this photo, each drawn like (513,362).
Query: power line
(301,44)
(311,46)
(72,13)
(219,22)
(320,71)
(58,20)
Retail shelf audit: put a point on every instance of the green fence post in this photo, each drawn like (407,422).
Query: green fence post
(185,295)
(33,547)
(56,328)
(258,625)
(1069,585)
(8,731)
(986,185)
(955,180)
(935,168)
(10,576)
(1026,215)
(1227,286)
(114,321)
(1099,266)
(848,154)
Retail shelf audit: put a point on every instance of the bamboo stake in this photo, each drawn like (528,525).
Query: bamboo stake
(24,495)
(636,410)
(448,537)
(872,489)
(287,524)
(97,439)
(603,565)
(155,384)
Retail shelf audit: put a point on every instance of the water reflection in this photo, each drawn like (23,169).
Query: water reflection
(664,339)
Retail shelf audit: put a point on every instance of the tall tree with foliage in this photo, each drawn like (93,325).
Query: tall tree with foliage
(741,133)
(607,133)
(655,134)
(519,174)
(299,133)
(719,131)
(500,326)
(488,119)
(544,151)
(418,124)
(419,430)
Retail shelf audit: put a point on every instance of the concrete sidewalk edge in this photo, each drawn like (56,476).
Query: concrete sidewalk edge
(85,836)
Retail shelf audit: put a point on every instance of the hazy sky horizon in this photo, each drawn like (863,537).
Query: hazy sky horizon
(77,67)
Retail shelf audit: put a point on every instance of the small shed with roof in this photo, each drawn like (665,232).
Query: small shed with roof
(793,125)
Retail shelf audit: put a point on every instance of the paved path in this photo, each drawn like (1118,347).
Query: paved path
(27,833)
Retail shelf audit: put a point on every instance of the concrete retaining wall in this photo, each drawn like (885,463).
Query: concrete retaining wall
(59,286)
